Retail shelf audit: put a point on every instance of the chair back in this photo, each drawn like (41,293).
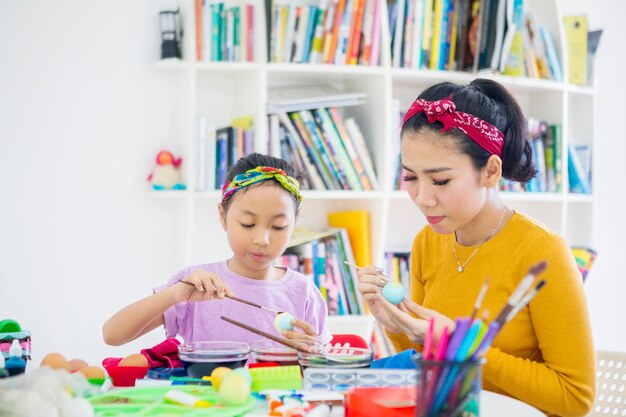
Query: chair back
(611,384)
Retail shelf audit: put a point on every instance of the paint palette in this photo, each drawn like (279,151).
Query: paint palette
(337,357)
(344,379)
(149,401)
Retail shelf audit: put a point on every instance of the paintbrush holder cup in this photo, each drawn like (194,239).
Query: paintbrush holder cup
(450,389)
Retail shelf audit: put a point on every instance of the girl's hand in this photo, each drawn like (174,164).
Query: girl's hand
(302,332)
(413,320)
(200,285)
(370,286)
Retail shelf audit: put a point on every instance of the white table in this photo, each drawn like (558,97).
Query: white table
(491,405)
(497,405)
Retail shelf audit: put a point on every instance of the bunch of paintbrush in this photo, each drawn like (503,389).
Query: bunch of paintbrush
(449,369)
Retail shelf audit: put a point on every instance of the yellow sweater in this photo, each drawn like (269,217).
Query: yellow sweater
(545,355)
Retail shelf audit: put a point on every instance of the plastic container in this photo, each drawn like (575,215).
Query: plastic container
(337,357)
(265,351)
(200,358)
(381,402)
(276,377)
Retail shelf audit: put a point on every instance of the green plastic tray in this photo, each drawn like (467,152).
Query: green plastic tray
(148,401)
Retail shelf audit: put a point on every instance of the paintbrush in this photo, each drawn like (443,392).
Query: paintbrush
(385,277)
(525,300)
(241,300)
(479,299)
(297,346)
(521,289)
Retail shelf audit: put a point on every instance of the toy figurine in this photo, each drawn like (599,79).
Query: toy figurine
(167,174)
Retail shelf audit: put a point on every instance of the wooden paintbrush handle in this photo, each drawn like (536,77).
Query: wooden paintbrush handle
(283,341)
(241,300)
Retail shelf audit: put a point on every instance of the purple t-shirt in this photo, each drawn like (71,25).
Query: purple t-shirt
(200,321)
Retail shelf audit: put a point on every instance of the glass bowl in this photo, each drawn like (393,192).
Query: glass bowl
(337,357)
(268,351)
(200,358)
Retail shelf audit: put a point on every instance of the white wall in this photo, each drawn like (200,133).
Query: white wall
(606,284)
(81,117)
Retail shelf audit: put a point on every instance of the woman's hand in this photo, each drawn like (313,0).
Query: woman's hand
(370,286)
(302,332)
(200,285)
(413,320)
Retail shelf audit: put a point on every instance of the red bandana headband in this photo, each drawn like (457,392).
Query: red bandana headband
(487,136)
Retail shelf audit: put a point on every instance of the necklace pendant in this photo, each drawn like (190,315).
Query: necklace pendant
(460,268)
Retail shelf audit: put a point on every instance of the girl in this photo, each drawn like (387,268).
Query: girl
(259,206)
(457,143)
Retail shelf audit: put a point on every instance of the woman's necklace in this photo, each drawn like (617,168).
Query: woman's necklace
(460,267)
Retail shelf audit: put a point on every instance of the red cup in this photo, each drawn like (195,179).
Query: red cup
(125,376)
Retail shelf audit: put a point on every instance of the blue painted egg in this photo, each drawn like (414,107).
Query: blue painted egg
(393,292)
(282,321)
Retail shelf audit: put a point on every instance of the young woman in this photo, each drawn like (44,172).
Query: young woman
(457,143)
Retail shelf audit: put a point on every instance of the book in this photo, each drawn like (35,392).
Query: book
(361,150)
(310,97)
(357,224)
(553,58)
(350,149)
(304,153)
(593,41)
(313,152)
(337,146)
(576,36)
(577,178)
(558,156)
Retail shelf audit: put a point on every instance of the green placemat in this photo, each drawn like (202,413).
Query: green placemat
(149,401)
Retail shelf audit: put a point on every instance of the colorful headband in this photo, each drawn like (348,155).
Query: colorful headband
(484,134)
(258,174)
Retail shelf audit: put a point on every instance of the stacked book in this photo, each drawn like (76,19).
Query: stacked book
(218,149)
(328,151)
(329,31)
(322,256)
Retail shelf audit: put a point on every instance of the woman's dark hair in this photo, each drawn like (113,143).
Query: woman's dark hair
(491,102)
(254,160)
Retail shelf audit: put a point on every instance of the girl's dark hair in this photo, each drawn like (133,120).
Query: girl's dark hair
(491,102)
(254,160)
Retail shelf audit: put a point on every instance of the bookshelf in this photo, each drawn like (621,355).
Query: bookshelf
(222,91)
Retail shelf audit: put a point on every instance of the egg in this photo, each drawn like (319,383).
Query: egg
(393,292)
(282,321)
(55,361)
(218,375)
(92,372)
(74,365)
(134,359)
(234,390)
(245,372)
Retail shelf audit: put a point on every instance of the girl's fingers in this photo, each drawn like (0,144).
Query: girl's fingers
(228,291)
(304,326)
(218,285)
(296,335)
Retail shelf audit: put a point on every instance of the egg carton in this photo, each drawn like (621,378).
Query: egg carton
(344,379)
